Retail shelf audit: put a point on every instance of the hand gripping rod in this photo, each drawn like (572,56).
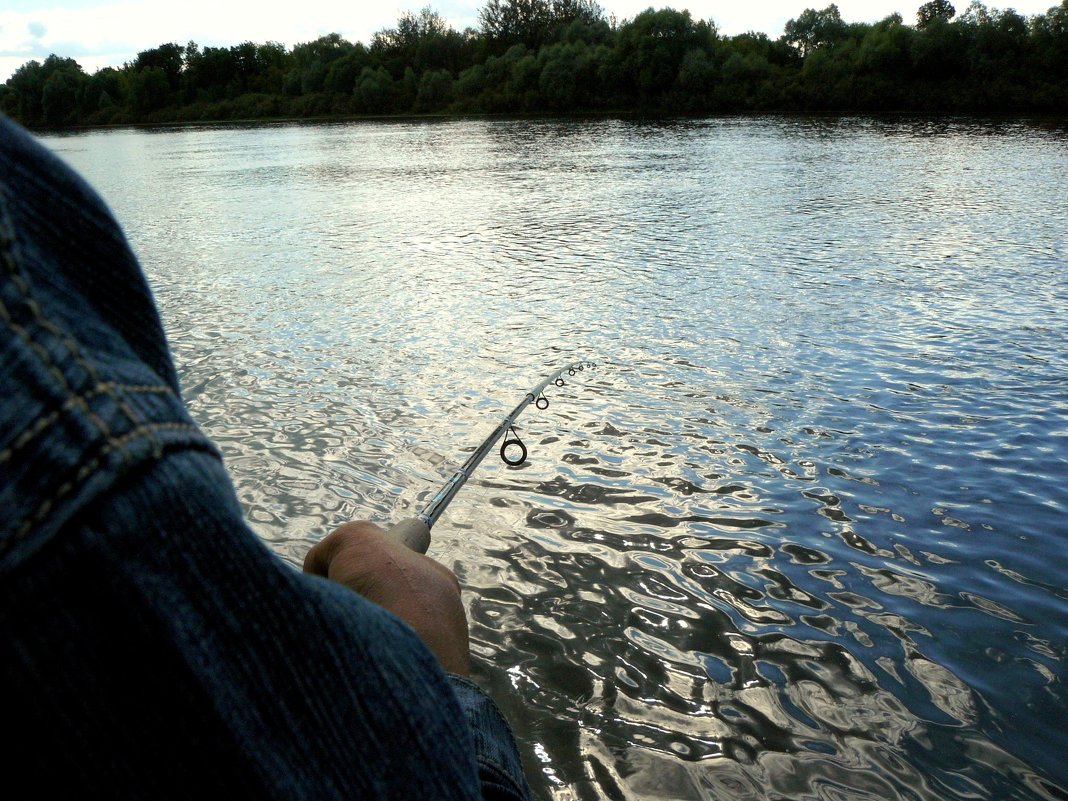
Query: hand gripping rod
(415,531)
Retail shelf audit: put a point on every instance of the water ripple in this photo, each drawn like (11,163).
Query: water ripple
(800,536)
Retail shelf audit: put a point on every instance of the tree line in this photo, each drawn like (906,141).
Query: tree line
(567,56)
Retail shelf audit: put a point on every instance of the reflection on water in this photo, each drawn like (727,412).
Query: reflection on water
(800,536)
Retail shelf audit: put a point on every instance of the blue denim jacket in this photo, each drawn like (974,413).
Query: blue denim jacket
(151,645)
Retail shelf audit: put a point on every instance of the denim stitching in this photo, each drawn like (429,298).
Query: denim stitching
(7,250)
(46,422)
(8,246)
(72,346)
(87,469)
(10,265)
(46,359)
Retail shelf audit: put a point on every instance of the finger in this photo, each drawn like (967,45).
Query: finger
(319,558)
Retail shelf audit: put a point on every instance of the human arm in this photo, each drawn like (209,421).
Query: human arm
(426,595)
(151,645)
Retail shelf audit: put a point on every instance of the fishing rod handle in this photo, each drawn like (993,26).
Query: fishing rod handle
(413,533)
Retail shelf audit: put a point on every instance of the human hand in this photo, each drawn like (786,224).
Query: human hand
(420,591)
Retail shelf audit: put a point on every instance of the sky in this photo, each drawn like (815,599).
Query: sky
(100,33)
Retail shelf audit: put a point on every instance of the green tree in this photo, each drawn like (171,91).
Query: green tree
(423,41)
(435,91)
(815,29)
(742,77)
(563,55)
(1050,34)
(342,73)
(272,62)
(508,22)
(375,91)
(697,79)
(932,10)
(48,93)
(149,90)
(566,12)
(27,85)
(507,81)
(827,79)
(103,96)
(976,15)
(168,58)
(882,67)
(885,50)
(1001,67)
(311,62)
(469,86)
(650,50)
(940,63)
(208,75)
(60,98)
(569,76)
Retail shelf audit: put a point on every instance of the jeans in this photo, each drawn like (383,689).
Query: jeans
(151,645)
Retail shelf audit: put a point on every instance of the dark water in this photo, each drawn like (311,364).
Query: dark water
(801,535)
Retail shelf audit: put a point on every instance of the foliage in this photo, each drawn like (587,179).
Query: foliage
(48,93)
(508,22)
(934,10)
(564,56)
(815,29)
(650,52)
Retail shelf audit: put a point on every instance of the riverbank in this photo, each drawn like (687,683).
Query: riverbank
(660,63)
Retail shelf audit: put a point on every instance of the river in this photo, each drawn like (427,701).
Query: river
(802,532)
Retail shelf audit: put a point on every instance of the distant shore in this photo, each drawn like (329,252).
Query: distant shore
(659,63)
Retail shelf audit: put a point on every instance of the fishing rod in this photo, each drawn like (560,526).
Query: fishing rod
(415,531)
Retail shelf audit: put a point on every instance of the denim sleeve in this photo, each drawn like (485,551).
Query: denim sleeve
(150,645)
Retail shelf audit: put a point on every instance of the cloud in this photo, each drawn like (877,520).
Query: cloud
(102,33)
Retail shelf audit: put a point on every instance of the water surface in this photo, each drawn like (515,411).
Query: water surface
(802,533)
